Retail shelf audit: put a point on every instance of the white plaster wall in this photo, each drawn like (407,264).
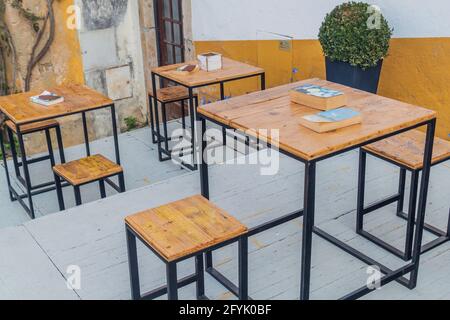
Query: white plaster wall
(130,50)
(301,19)
(114,65)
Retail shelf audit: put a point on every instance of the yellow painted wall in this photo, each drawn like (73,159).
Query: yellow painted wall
(61,65)
(64,55)
(416,71)
(66,52)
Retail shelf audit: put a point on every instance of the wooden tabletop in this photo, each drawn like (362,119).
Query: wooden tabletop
(181,228)
(272,109)
(231,70)
(77,98)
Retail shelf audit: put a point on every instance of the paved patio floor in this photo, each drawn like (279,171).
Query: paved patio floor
(35,256)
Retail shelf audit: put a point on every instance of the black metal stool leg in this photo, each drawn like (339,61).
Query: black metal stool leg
(77,193)
(172,282)
(158,132)
(411,214)
(133,265)
(86,134)
(209,259)
(448,224)
(5,164)
(193,103)
(59,193)
(361,190)
(222,97)
(243,268)
(59,139)
(26,174)
(13,151)
(166,134)
(421,208)
(183,115)
(48,138)
(122,182)
(200,272)
(401,191)
(152,119)
(101,184)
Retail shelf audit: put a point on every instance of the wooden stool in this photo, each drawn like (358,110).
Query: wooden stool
(166,96)
(179,231)
(87,170)
(28,129)
(405,151)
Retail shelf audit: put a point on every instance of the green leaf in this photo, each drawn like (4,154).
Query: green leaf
(345,35)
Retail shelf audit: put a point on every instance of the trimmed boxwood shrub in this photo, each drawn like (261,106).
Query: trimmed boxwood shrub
(356,33)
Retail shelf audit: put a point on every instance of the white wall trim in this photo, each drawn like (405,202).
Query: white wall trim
(301,19)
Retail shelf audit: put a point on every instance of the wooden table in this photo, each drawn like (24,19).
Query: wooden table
(77,99)
(272,109)
(232,70)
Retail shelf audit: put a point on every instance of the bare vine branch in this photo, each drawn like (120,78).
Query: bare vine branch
(27,14)
(36,57)
(8,49)
(39,24)
(13,53)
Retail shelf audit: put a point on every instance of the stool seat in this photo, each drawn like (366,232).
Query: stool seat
(32,127)
(184,227)
(172,94)
(408,149)
(87,170)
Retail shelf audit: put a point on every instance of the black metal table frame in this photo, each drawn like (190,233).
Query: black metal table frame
(173,284)
(308,210)
(442,236)
(193,111)
(30,192)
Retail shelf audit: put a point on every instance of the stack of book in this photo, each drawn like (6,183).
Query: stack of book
(210,61)
(47,99)
(334,115)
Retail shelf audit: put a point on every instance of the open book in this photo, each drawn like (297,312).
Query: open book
(331,120)
(47,98)
(186,69)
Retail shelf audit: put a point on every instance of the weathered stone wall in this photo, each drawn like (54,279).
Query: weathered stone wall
(112,51)
(112,58)
(63,62)
(61,65)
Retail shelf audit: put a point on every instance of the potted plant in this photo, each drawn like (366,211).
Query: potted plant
(355,39)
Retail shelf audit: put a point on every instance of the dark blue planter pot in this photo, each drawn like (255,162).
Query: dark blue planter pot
(355,77)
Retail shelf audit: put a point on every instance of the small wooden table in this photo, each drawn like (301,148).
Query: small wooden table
(77,99)
(232,70)
(272,109)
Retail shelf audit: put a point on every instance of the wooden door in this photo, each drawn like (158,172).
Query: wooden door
(169,20)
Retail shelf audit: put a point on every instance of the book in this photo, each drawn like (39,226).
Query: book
(186,69)
(47,99)
(210,61)
(331,120)
(318,97)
